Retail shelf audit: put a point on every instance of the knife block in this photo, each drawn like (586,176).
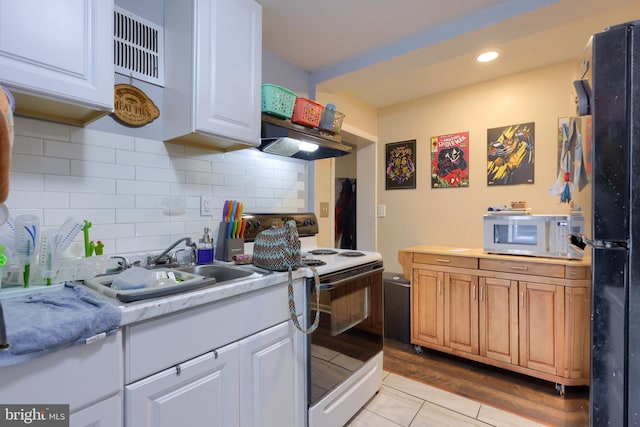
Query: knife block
(227,248)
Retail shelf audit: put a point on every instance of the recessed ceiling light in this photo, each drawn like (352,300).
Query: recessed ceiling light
(488,56)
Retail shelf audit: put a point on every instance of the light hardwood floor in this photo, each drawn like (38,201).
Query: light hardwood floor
(436,389)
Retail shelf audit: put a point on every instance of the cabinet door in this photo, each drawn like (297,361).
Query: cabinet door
(499,319)
(577,332)
(59,50)
(272,367)
(541,327)
(200,392)
(107,413)
(427,307)
(461,312)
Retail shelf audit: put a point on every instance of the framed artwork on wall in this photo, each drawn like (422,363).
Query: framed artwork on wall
(400,165)
(450,160)
(510,154)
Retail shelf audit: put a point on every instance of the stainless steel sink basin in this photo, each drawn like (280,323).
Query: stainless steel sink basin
(221,273)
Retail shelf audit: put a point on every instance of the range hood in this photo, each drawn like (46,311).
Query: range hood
(284,138)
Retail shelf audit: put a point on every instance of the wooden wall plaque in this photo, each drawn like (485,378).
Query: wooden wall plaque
(132,106)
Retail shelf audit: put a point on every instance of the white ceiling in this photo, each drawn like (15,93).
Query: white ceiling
(391,51)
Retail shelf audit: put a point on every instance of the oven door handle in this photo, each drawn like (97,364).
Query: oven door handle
(335,285)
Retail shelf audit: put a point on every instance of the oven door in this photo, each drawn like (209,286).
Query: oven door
(346,337)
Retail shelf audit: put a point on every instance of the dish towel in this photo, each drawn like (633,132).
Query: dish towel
(43,322)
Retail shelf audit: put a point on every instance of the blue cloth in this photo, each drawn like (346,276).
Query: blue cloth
(42,322)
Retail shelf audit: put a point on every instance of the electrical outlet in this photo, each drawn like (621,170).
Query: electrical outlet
(205,206)
(324,209)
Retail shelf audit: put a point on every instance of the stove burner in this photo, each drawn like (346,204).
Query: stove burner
(351,253)
(323,252)
(310,262)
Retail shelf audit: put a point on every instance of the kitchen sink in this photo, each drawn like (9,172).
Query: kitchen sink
(221,273)
(184,279)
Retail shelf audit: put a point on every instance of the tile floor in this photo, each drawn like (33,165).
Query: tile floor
(408,403)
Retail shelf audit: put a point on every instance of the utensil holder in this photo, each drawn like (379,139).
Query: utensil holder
(226,248)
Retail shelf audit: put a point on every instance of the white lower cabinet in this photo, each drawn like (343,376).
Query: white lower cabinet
(86,377)
(200,392)
(272,378)
(107,413)
(236,362)
(257,381)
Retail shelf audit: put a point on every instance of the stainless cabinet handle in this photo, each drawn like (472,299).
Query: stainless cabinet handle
(474,292)
(522,299)
(517,267)
(439,287)
(481,296)
(445,261)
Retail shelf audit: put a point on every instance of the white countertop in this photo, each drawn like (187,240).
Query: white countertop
(137,311)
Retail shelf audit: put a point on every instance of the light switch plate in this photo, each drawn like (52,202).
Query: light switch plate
(382,211)
(205,206)
(324,209)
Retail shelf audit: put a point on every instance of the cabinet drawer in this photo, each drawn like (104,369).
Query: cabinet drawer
(448,260)
(577,272)
(533,268)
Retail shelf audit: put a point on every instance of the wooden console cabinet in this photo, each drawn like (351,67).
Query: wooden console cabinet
(529,315)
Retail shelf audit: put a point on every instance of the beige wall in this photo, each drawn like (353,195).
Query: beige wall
(454,216)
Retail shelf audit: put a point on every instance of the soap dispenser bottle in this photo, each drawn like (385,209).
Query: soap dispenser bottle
(205,249)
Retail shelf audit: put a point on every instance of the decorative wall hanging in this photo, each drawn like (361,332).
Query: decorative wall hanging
(132,106)
(510,154)
(400,161)
(572,170)
(450,160)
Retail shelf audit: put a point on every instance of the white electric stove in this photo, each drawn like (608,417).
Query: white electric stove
(344,355)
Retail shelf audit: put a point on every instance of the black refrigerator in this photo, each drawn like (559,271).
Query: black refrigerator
(608,89)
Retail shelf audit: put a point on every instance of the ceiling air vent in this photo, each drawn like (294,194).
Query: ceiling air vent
(138,47)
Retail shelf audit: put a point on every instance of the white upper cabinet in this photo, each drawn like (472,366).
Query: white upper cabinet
(213,73)
(57,58)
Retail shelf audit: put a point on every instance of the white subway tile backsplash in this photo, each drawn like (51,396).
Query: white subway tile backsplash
(28,145)
(157,147)
(190,189)
(203,178)
(26,181)
(143,159)
(102,139)
(72,150)
(56,217)
(78,184)
(195,165)
(101,200)
(140,215)
(38,164)
(126,186)
(41,129)
(38,200)
(102,170)
(159,175)
(141,194)
(159,229)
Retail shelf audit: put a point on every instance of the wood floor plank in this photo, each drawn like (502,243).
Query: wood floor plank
(526,396)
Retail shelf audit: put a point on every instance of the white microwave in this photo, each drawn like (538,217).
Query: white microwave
(534,235)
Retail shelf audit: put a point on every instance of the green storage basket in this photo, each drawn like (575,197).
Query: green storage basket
(278,101)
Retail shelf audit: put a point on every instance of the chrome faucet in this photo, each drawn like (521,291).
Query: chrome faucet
(4,344)
(164,259)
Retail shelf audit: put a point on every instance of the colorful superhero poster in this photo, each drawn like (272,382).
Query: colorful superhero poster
(510,154)
(450,160)
(400,161)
